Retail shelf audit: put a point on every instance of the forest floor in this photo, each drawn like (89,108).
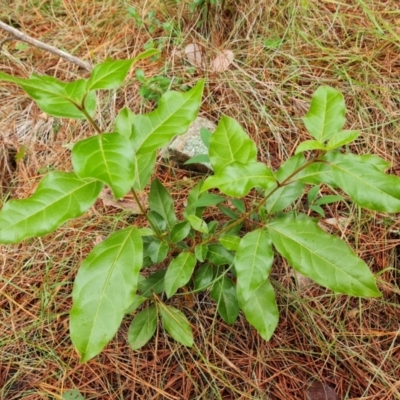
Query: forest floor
(283,51)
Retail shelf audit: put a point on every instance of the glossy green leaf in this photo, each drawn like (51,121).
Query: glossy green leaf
(180,231)
(179,272)
(144,167)
(175,112)
(161,202)
(153,284)
(124,121)
(260,309)
(238,179)
(224,294)
(104,288)
(309,145)
(219,255)
(109,74)
(108,158)
(253,262)
(177,325)
(204,277)
(316,174)
(341,138)
(55,97)
(142,328)
(284,196)
(322,257)
(365,184)
(230,242)
(59,197)
(158,250)
(208,200)
(230,144)
(137,302)
(197,223)
(326,115)
(200,251)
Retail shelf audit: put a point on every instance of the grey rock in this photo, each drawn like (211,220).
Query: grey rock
(190,144)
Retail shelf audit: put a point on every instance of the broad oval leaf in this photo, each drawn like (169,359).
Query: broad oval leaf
(142,328)
(158,250)
(230,242)
(365,184)
(108,158)
(326,115)
(180,231)
(176,324)
(104,288)
(55,97)
(322,257)
(238,179)
(253,262)
(59,197)
(224,294)
(309,145)
(219,255)
(201,251)
(179,272)
(109,74)
(260,309)
(229,144)
(153,284)
(284,196)
(197,223)
(173,116)
(204,277)
(161,202)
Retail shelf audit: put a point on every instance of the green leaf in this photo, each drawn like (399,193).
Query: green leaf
(288,168)
(146,54)
(322,257)
(124,121)
(228,212)
(153,284)
(73,394)
(177,325)
(144,167)
(109,74)
(193,197)
(238,179)
(200,158)
(108,158)
(318,210)
(142,328)
(326,115)
(313,193)
(316,174)
(230,242)
(309,145)
(239,204)
(205,135)
(230,144)
(56,98)
(201,251)
(161,202)
(260,309)
(137,302)
(175,112)
(59,197)
(365,184)
(342,138)
(179,272)
(253,262)
(158,250)
(328,199)
(180,231)
(219,255)
(204,277)
(104,288)
(224,294)
(284,197)
(208,200)
(197,224)
(379,163)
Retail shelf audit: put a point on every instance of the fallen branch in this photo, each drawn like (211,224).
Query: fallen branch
(18,35)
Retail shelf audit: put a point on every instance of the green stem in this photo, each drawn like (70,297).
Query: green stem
(91,120)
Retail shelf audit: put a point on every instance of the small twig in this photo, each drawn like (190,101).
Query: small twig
(18,35)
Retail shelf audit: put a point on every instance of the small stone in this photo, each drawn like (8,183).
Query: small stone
(190,144)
